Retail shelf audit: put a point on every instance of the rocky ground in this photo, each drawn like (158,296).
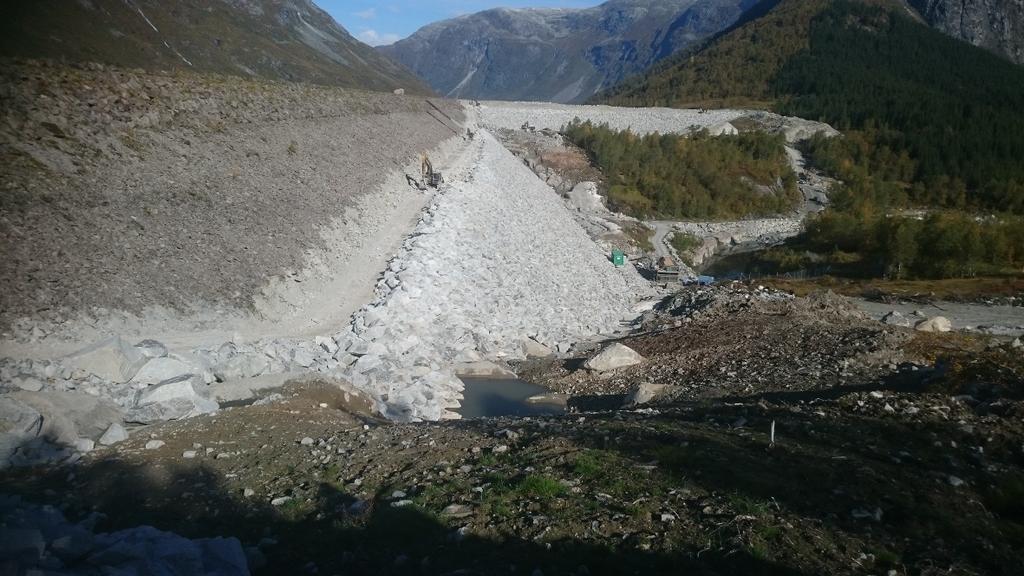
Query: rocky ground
(127,190)
(869,469)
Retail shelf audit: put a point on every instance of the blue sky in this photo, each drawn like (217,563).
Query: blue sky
(385,21)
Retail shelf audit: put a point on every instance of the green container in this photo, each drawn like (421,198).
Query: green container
(618,258)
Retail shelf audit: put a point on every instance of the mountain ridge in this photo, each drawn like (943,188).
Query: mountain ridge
(289,40)
(562,55)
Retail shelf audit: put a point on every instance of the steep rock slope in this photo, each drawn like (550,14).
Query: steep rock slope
(558,55)
(290,40)
(997,25)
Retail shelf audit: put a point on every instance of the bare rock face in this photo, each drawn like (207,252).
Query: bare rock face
(558,55)
(996,25)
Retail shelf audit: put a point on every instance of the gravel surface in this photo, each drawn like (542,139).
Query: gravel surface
(997,320)
(125,190)
(541,115)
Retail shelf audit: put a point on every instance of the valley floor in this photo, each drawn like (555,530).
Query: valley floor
(762,433)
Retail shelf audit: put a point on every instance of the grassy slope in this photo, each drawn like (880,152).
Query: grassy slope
(213,36)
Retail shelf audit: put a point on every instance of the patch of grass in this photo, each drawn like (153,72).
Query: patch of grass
(640,235)
(540,487)
(747,506)
(590,465)
(294,510)
(684,245)
(953,289)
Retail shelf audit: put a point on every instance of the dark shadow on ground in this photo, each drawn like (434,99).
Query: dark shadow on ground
(339,534)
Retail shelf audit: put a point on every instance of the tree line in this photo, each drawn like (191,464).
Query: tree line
(697,176)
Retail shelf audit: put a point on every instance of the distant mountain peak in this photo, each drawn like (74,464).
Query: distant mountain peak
(557,54)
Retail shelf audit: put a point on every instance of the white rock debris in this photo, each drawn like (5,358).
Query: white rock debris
(496,258)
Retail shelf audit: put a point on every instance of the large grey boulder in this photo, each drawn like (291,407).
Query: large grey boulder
(171,400)
(115,433)
(152,348)
(241,366)
(19,423)
(68,416)
(937,324)
(614,357)
(111,359)
(166,368)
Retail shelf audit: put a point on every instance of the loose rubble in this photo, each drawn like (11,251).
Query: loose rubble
(38,539)
(475,256)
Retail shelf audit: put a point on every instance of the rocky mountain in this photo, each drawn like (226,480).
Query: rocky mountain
(291,40)
(997,25)
(559,55)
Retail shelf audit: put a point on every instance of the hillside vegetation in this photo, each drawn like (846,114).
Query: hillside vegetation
(700,176)
(928,122)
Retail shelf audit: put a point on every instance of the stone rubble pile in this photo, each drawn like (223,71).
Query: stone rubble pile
(497,269)
(496,260)
(39,540)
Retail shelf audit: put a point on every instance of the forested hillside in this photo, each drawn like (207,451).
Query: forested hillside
(700,176)
(928,122)
(940,117)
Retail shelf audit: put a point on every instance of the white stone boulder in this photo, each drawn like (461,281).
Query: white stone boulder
(534,349)
(483,369)
(245,365)
(937,324)
(585,198)
(162,369)
(171,400)
(111,359)
(114,434)
(645,393)
(614,357)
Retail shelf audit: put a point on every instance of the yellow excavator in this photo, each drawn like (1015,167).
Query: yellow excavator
(430,177)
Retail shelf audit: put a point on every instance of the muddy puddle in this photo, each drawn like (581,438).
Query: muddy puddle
(492,397)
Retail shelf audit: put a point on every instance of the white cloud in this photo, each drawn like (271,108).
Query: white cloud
(374,38)
(368,14)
